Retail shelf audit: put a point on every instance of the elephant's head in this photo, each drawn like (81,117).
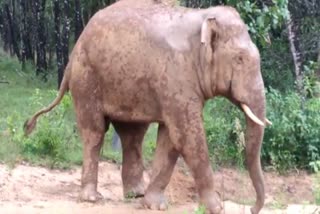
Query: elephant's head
(230,64)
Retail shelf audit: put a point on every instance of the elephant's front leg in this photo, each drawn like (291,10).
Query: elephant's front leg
(187,135)
(194,150)
(163,165)
(131,135)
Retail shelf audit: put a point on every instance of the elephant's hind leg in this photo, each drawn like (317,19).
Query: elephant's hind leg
(131,135)
(92,127)
(162,168)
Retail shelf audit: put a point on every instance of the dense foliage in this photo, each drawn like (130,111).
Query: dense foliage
(291,142)
(40,34)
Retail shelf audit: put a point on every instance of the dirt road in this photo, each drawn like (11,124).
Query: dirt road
(27,189)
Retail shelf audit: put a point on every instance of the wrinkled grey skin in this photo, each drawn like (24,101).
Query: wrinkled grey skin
(137,63)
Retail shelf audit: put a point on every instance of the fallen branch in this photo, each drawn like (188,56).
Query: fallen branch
(3,81)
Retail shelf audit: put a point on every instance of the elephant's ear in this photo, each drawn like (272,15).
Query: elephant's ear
(208,29)
(209,32)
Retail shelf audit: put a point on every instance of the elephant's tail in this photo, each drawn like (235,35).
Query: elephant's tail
(30,124)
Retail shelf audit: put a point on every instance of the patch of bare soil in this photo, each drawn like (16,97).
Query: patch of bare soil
(28,189)
(235,185)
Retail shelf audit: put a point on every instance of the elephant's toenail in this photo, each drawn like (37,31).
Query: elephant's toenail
(163,207)
(153,207)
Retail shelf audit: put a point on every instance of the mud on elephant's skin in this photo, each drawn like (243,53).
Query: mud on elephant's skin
(137,63)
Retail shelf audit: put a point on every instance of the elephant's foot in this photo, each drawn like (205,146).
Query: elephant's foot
(90,194)
(255,210)
(134,191)
(212,203)
(154,201)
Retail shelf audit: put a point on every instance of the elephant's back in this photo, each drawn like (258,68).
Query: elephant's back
(118,39)
(165,28)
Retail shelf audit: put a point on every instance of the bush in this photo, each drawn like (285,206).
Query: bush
(55,137)
(224,132)
(55,140)
(293,139)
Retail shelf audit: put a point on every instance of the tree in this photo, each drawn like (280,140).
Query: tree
(11,33)
(26,47)
(41,62)
(65,35)
(57,12)
(78,26)
(296,53)
(304,36)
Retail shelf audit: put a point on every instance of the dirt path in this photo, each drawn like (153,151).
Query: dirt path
(27,189)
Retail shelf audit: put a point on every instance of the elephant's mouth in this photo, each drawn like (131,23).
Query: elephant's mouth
(253,117)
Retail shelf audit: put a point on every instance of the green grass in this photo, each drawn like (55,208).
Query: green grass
(200,210)
(24,94)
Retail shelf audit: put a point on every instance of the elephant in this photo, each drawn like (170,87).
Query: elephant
(139,62)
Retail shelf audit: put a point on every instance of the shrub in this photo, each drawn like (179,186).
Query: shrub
(293,139)
(55,138)
(224,132)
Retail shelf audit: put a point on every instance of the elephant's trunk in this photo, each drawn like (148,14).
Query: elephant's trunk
(254,137)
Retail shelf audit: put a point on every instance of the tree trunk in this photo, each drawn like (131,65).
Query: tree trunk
(57,15)
(41,38)
(78,20)
(15,29)
(65,36)
(22,32)
(26,47)
(296,54)
(31,34)
(318,71)
(5,32)
(11,32)
(1,24)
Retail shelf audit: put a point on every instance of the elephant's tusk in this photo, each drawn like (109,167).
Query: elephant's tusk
(251,115)
(268,122)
